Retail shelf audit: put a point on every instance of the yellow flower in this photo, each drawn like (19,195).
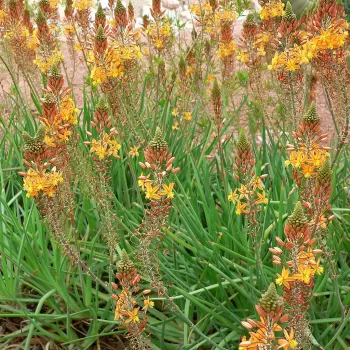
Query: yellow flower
(175,126)
(257,183)
(284,278)
(233,196)
(289,342)
(187,116)
(319,269)
(118,312)
(261,198)
(243,192)
(241,208)
(175,112)
(147,304)
(243,56)
(133,316)
(292,65)
(305,273)
(167,190)
(151,192)
(308,170)
(133,152)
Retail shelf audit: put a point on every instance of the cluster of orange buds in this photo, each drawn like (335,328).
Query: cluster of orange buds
(42,178)
(262,333)
(309,155)
(127,311)
(15,29)
(299,267)
(160,162)
(59,113)
(104,145)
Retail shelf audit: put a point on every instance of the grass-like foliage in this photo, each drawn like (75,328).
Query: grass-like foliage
(170,185)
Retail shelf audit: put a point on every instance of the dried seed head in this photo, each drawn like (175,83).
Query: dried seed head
(289,14)
(158,143)
(270,300)
(125,264)
(311,116)
(298,218)
(243,145)
(324,174)
(34,144)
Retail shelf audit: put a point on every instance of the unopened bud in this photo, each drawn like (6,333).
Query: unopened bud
(143,166)
(246,325)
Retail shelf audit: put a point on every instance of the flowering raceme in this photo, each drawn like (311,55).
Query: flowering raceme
(36,183)
(310,154)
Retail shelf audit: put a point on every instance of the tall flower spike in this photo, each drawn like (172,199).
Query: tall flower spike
(298,218)
(158,143)
(125,264)
(34,144)
(270,300)
(289,14)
